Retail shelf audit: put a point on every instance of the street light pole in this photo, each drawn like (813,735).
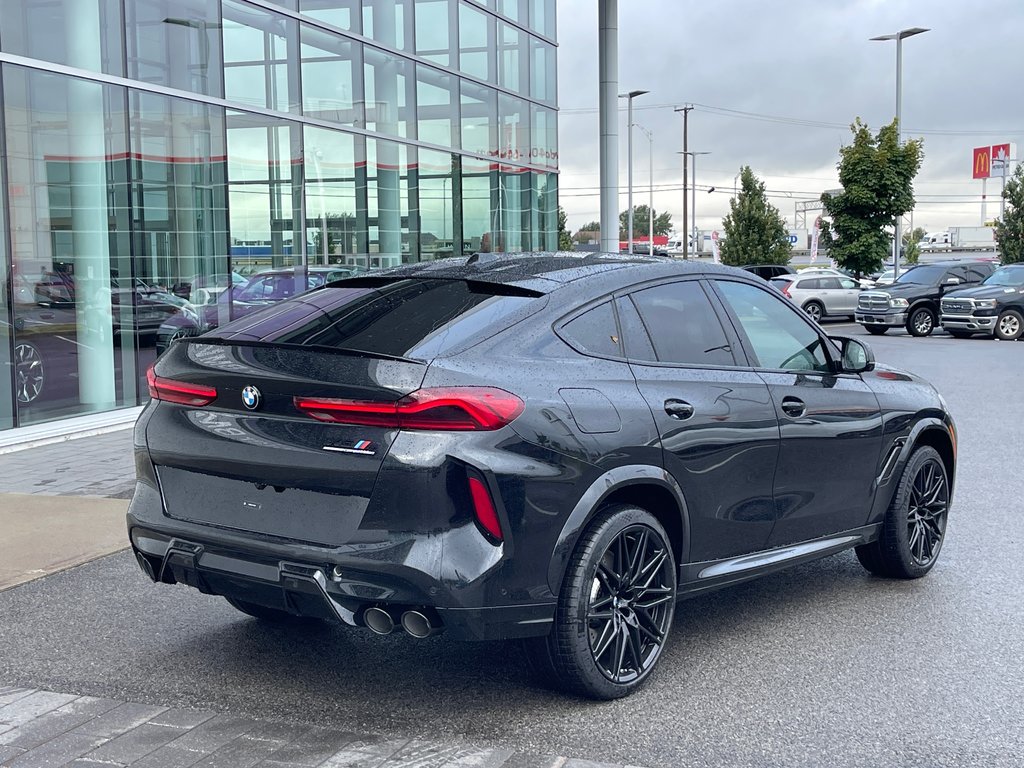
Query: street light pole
(899,37)
(650,198)
(629,162)
(693,202)
(686,122)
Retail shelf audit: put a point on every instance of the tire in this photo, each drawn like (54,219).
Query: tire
(29,372)
(959,334)
(815,310)
(876,330)
(915,523)
(1010,325)
(607,654)
(272,615)
(921,322)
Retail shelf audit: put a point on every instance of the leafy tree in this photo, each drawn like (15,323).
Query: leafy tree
(911,249)
(755,233)
(594,226)
(1010,230)
(565,242)
(877,174)
(641,217)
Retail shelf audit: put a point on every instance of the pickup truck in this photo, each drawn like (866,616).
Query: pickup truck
(912,302)
(995,308)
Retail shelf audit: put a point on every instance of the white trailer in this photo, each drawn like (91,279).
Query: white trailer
(972,237)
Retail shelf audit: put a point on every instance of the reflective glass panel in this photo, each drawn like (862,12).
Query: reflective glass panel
(514,128)
(257,67)
(513,61)
(479,215)
(389,92)
(42,29)
(477,42)
(389,241)
(479,118)
(544,137)
(331,86)
(437,106)
(542,17)
(514,9)
(341,13)
(516,208)
(23,295)
(389,22)
(434,25)
(334,234)
(437,211)
(77,312)
(542,71)
(176,43)
(545,217)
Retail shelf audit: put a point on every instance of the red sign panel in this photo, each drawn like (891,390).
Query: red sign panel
(982,162)
(1000,158)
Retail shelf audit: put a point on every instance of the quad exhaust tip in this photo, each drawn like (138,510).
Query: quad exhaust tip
(378,620)
(418,624)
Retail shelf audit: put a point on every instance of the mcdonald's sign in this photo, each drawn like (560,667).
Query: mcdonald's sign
(982,162)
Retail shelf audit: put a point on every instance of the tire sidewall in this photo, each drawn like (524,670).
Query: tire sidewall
(912,326)
(897,522)
(576,596)
(1020,322)
(820,308)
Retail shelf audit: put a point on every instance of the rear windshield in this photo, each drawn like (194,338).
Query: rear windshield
(415,318)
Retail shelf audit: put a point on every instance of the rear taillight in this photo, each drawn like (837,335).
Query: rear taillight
(440,409)
(785,290)
(483,508)
(180,392)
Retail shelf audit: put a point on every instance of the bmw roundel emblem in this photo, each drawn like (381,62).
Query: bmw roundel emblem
(251,398)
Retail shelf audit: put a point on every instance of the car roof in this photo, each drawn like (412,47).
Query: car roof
(545,272)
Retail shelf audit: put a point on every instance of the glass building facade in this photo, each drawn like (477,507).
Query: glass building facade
(160,158)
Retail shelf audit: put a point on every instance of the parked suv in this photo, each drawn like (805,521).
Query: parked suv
(912,302)
(537,446)
(820,295)
(996,307)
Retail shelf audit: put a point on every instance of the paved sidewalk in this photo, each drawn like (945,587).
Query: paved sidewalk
(102,465)
(42,728)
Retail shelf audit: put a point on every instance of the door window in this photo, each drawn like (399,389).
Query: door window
(829,284)
(683,326)
(847,284)
(779,337)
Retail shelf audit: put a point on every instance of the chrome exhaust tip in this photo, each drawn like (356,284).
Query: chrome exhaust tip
(419,624)
(378,620)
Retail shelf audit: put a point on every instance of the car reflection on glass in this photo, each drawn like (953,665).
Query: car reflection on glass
(231,303)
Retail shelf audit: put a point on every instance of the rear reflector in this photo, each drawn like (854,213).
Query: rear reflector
(483,507)
(180,392)
(438,409)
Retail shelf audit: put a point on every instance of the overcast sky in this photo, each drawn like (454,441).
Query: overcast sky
(805,60)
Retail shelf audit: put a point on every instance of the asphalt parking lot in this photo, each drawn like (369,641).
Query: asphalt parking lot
(819,665)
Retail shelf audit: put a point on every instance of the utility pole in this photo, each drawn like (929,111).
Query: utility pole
(686,199)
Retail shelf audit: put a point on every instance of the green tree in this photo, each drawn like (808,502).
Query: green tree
(877,174)
(911,249)
(641,217)
(565,242)
(755,233)
(1010,229)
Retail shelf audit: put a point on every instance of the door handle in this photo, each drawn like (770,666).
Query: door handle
(793,406)
(678,409)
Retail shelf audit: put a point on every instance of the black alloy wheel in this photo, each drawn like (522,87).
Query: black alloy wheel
(615,609)
(814,310)
(1009,326)
(28,372)
(915,525)
(921,322)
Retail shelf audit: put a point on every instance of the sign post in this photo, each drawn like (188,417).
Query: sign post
(982,169)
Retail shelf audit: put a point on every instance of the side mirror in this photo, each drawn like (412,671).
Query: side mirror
(951,281)
(855,355)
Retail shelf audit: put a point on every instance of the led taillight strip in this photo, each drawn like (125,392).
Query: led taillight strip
(180,392)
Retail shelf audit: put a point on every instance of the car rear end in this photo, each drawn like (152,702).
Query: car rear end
(299,459)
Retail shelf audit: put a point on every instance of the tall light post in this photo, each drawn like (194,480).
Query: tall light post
(650,199)
(899,37)
(629,160)
(693,202)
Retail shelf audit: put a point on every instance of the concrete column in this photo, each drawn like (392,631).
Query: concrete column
(89,215)
(608,66)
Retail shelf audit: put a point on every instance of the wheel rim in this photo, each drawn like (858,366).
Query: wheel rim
(926,517)
(1009,325)
(814,311)
(923,322)
(631,603)
(28,372)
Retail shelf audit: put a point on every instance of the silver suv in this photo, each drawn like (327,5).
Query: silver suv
(820,295)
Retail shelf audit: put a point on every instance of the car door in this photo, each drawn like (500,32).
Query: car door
(718,428)
(846,294)
(831,424)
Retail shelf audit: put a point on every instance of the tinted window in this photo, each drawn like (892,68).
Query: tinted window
(779,337)
(809,284)
(848,284)
(634,336)
(594,332)
(929,275)
(978,272)
(1007,276)
(682,325)
(407,318)
(829,283)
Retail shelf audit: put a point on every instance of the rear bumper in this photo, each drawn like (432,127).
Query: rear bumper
(969,323)
(891,319)
(336,584)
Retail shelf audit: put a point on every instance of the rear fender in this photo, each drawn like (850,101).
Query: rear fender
(593,498)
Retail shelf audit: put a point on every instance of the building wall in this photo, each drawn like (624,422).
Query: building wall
(155,152)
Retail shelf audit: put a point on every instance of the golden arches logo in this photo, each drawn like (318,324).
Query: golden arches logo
(982,162)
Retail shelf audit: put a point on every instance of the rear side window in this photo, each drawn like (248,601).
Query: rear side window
(408,318)
(594,332)
(683,325)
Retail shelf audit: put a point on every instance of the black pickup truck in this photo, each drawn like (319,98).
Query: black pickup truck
(995,308)
(912,302)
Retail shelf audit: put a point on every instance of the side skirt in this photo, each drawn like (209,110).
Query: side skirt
(697,578)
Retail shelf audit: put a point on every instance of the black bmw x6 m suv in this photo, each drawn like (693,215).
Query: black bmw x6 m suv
(551,447)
